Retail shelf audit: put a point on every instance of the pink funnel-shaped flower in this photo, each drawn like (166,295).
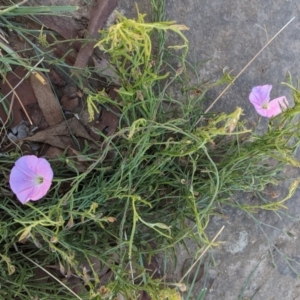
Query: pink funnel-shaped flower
(30,178)
(260,98)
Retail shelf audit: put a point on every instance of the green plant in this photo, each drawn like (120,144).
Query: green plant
(154,173)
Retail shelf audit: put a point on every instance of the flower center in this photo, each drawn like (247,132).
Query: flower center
(264,106)
(39,180)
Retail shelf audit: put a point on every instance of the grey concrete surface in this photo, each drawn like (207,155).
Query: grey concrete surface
(259,258)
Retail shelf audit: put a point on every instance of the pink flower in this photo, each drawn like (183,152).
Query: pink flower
(30,178)
(260,98)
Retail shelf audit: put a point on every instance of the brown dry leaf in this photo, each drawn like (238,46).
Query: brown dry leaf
(109,120)
(56,78)
(58,135)
(144,296)
(76,285)
(104,69)
(102,270)
(186,267)
(69,103)
(99,15)
(46,99)
(80,157)
(81,166)
(40,276)
(53,152)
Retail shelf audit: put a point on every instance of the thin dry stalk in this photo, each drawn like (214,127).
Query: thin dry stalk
(205,250)
(16,95)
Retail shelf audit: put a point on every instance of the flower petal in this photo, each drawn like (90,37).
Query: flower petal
(39,192)
(44,169)
(25,195)
(27,164)
(276,106)
(260,95)
(18,186)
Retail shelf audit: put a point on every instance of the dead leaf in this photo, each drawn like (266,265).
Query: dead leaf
(109,120)
(76,285)
(80,157)
(46,99)
(104,69)
(64,52)
(144,296)
(195,273)
(80,166)
(69,103)
(53,152)
(40,276)
(99,15)
(56,78)
(58,135)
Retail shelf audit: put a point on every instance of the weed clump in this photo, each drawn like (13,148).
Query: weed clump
(96,229)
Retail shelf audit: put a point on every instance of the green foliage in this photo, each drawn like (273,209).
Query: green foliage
(145,181)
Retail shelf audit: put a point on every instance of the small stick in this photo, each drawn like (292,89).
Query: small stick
(205,250)
(242,71)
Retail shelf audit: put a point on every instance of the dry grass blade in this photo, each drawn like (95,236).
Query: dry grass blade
(205,250)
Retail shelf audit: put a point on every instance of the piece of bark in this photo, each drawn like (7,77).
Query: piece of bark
(99,15)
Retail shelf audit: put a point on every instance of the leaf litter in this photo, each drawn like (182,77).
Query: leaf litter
(51,125)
